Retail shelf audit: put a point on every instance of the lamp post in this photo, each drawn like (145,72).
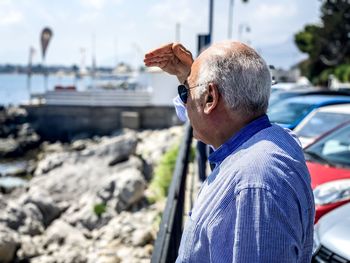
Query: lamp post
(211,10)
(230,18)
(29,71)
(177,32)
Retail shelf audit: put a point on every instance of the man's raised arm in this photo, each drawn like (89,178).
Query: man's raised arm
(172,58)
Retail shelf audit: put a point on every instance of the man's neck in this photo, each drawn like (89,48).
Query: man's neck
(228,126)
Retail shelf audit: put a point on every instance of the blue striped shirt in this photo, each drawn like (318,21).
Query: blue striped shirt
(256,205)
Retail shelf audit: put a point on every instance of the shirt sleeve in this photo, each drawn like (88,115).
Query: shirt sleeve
(254,227)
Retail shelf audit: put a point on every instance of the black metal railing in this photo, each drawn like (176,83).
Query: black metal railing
(170,230)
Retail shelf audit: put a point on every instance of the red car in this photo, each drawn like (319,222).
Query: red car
(328,160)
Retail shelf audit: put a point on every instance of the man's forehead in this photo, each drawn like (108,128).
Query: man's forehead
(192,78)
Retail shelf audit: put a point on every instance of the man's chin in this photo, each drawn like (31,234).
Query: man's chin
(197,137)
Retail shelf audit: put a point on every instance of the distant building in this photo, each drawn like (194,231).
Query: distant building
(281,75)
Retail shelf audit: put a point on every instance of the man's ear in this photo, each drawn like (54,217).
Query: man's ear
(211,98)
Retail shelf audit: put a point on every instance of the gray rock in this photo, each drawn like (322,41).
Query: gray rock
(47,147)
(43,259)
(31,227)
(25,130)
(117,192)
(3,202)
(79,145)
(18,136)
(83,216)
(50,162)
(116,149)
(13,216)
(48,208)
(30,247)
(142,237)
(56,216)
(31,214)
(58,173)
(9,147)
(16,115)
(130,188)
(60,232)
(28,142)
(8,244)
(153,144)
(60,243)
(106,253)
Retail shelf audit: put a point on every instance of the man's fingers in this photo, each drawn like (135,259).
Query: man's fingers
(159,57)
(149,61)
(166,49)
(160,64)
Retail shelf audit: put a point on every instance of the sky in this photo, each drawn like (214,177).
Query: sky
(123,30)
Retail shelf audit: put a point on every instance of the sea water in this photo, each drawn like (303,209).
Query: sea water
(6,169)
(14,90)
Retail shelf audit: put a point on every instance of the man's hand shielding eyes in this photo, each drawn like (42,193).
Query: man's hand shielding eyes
(172,58)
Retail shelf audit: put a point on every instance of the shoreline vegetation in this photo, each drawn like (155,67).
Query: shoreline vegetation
(83,201)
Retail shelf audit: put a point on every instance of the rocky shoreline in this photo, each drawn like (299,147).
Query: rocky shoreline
(86,200)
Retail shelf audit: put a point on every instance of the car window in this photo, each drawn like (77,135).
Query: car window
(322,122)
(287,112)
(335,147)
(281,95)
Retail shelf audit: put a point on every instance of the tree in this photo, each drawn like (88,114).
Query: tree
(327,44)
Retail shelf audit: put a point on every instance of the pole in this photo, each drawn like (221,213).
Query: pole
(93,62)
(177,32)
(29,76)
(29,71)
(211,9)
(230,19)
(45,74)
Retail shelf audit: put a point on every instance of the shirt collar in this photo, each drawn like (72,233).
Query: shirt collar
(238,139)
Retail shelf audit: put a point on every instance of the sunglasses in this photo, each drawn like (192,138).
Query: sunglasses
(183,91)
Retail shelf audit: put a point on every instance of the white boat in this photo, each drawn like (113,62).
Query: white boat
(150,88)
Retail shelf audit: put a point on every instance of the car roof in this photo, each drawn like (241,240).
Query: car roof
(339,108)
(295,90)
(318,99)
(288,85)
(312,90)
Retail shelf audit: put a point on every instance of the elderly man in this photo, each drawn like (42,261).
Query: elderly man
(257,204)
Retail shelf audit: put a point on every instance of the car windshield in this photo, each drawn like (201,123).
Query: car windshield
(286,112)
(335,148)
(278,96)
(322,122)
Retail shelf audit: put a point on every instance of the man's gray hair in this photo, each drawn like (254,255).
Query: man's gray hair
(242,77)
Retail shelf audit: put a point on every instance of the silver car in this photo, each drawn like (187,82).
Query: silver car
(321,120)
(332,237)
